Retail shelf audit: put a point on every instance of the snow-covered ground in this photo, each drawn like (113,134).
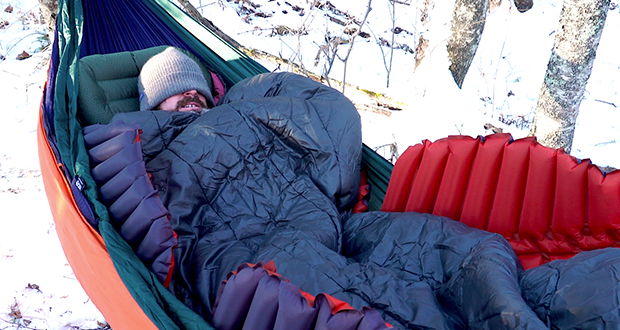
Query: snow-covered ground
(38,289)
(501,88)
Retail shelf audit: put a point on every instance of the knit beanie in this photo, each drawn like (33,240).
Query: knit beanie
(169,73)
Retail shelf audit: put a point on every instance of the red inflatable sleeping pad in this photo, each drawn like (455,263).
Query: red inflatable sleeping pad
(546,203)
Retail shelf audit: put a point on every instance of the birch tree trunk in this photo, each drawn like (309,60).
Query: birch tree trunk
(568,71)
(468,21)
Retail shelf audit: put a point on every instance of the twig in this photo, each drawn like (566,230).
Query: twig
(7,72)
(607,102)
(604,143)
(330,49)
(389,68)
(393,151)
(19,326)
(501,55)
(359,30)
(459,129)
(16,42)
(256,29)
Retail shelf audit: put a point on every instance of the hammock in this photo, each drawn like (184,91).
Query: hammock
(126,293)
(428,178)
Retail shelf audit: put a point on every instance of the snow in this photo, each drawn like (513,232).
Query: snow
(38,289)
(501,88)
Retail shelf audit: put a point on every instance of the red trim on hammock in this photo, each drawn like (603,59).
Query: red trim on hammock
(172,262)
(336,305)
(362,196)
(138,134)
(309,298)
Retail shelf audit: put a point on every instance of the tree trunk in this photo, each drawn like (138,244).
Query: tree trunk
(468,21)
(193,12)
(49,10)
(568,71)
(524,5)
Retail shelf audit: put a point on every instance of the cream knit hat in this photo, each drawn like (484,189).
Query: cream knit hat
(169,73)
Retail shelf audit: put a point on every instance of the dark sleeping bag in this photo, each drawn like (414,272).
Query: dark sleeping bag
(270,175)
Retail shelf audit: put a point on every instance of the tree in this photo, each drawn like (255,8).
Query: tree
(49,9)
(568,71)
(468,20)
(193,12)
(524,5)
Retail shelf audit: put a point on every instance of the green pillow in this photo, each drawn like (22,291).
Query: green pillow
(108,84)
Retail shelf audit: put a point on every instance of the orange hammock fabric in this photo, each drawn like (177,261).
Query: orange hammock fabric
(85,248)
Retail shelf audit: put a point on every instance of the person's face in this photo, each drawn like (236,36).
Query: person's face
(188,101)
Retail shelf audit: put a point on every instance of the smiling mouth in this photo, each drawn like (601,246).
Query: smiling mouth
(192,106)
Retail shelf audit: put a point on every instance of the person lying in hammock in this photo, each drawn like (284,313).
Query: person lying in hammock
(267,178)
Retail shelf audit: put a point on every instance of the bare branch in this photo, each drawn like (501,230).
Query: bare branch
(389,67)
(607,102)
(352,42)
